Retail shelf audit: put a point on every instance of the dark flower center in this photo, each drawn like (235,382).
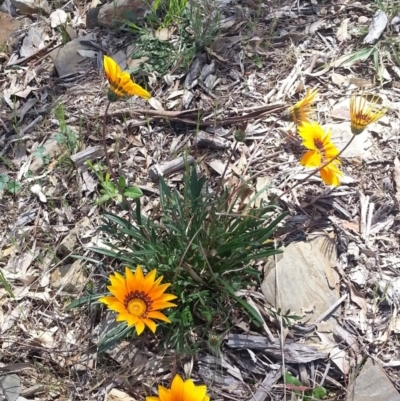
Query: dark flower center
(138,303)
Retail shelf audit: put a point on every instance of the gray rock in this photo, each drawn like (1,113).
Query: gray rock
(33,41)
(70,278)
(27,7)
(8,8)
(373,385)
(10,386)
(378,25)
(308,284)
(115,12)
(120,58)
(67,59)
(360,148)
(51,149)
(68,244)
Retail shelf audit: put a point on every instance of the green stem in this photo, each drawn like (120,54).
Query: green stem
(315,171)
(109,165)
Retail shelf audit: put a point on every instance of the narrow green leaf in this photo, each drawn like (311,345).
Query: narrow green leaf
(82,301)
(113,337)
(242,302)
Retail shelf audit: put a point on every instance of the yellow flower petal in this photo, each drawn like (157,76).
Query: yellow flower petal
(133,89)
(177,387)
(321,150)
(149,281)
(364,112)
(301,111)
(150,324)
(330,174)
(139,325)
(181,391)
(158,315)
(120,82)
(162,305)
(311,159)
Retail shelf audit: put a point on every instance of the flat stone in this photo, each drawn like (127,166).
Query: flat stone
(28,7)
(114,13)
(68,244)
(359,149)
(67,59)
(118,395)
(7,7)
(51,148)
(7,26)
(33,41)
(372,384)
(308,284)
(70,241)
(10,386)
(70,278)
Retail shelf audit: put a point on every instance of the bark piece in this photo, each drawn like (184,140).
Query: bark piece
(264,389)
(92,18)
(211,141)
(293,352)
(167,168)
(89,153)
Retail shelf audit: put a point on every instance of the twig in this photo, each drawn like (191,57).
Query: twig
(185,116)
(331,309)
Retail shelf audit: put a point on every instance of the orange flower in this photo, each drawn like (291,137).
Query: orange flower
(181,391)
(364,112)
(321,150)
(137,298)
(120,82)
(301,111)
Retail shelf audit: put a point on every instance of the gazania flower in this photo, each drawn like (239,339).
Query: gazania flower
(181,391)
(120,82)
(301,111)
(364,112)
(321,150)
(137,298)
